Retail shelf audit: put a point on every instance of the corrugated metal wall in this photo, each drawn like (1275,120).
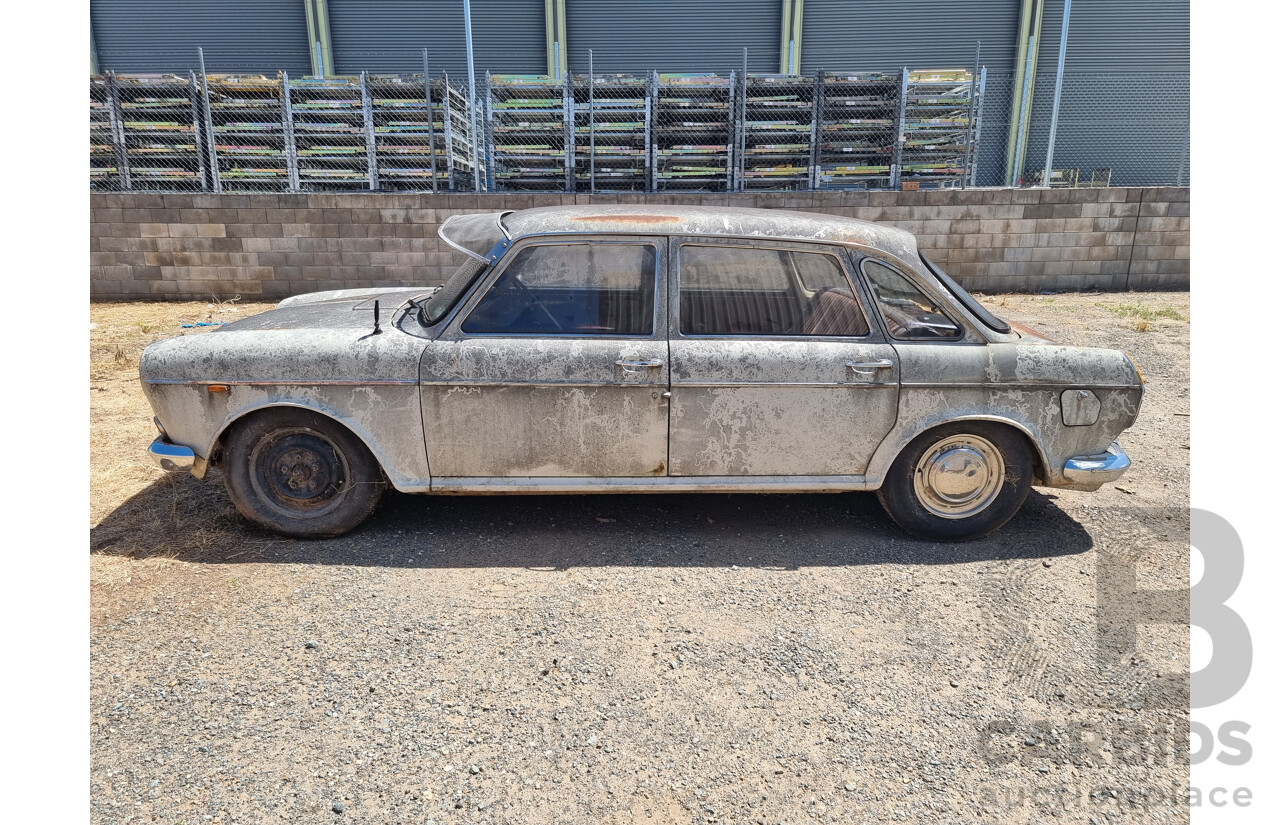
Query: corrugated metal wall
(389,36)
(674,35)
(881,35)
(237,35)
(1125,94)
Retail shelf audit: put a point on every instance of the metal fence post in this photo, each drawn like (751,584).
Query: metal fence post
(1057,95)
(208,121)
(117,132)
(290,144)
(471,97)
(197,123)
(591,113)
(431,120)
(973,90)
(370,150)
(977,129)
(895,170)
(448,129)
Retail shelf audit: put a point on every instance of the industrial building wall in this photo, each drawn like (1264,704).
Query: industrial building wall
(237,35)
(389,36)
(674,35)
(883,35)
(1126,91)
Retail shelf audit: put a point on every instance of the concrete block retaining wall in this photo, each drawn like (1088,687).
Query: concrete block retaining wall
(266,246)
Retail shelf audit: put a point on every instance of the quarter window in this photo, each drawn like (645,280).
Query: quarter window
(579,289)
(909,314)
(738,290)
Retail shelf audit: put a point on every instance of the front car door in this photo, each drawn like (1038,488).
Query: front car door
(556,366)
(775,370)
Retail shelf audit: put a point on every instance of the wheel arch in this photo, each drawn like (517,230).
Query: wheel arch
(892,447)
(240,416)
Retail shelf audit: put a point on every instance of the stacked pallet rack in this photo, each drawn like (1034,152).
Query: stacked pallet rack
(859,112)
(530,119)
(108,168)
(161,119)
(694,132)
(935,127)
(333,133)
(409,132)
(778,132)
(465,157)
(250,149)
(611,133)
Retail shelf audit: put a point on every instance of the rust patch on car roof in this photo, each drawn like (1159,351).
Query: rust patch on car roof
(628,218)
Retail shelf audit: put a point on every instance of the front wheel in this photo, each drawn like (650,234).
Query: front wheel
(959,481)
(298,473)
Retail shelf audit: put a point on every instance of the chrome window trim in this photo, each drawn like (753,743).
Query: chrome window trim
(674,276)
(490,279)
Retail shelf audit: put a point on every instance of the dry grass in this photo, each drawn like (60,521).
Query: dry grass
(135,509)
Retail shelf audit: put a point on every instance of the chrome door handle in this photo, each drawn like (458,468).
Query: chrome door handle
(652,362)
(869,367)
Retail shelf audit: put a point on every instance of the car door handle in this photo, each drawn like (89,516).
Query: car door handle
(869,367)
(652,362)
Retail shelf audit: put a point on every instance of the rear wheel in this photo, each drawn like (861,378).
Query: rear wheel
(958,481)
(301,474)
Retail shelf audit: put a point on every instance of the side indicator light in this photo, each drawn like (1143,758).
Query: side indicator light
(218,388)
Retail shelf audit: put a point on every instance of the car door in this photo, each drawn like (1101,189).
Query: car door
(775,370)
(556,366)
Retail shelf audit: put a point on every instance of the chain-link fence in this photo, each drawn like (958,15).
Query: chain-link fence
(1113,130)
(653,132)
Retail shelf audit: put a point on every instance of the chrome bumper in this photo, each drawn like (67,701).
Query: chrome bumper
(1096,470)
(171,457)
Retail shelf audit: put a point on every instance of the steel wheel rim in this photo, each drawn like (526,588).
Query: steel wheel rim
(299,473)
(959,477)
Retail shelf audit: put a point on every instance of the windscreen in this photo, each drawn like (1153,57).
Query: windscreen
(454,288)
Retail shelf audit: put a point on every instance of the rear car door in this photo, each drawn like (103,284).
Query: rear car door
(775,370)
(555,367)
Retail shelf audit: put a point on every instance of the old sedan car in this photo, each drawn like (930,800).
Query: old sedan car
(635,349)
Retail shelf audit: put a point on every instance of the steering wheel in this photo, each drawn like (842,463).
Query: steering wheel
(533,298)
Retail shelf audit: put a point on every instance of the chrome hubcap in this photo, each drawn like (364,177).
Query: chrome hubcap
(959,476)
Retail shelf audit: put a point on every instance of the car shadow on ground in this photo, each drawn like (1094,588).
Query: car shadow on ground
(182,518)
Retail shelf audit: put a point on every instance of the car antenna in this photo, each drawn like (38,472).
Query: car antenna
(377,311)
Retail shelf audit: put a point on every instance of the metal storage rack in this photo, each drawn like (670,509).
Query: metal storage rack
(530,132)
(250,148)
(612,116)
(694,132)
(409,132)
(778,131)
(160,115)
(333,133)
(857,142)
(108,167)
(466,159)
(936,127)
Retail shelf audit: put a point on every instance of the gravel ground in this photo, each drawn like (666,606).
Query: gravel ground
(613,659)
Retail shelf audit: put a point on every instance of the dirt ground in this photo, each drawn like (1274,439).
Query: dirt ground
(666,659)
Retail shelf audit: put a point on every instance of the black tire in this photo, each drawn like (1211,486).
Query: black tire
(927,498)
(298,473)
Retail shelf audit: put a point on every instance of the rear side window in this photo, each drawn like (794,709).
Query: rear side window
(576,289)
(738,290)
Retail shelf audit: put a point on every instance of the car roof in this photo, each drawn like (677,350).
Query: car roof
(724,221)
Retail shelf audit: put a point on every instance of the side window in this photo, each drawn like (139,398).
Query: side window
(909,314)
(574,288)
(738,290)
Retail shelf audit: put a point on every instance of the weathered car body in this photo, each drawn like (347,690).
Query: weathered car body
(670,370)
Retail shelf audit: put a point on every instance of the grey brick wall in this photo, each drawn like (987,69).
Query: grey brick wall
(266,247)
